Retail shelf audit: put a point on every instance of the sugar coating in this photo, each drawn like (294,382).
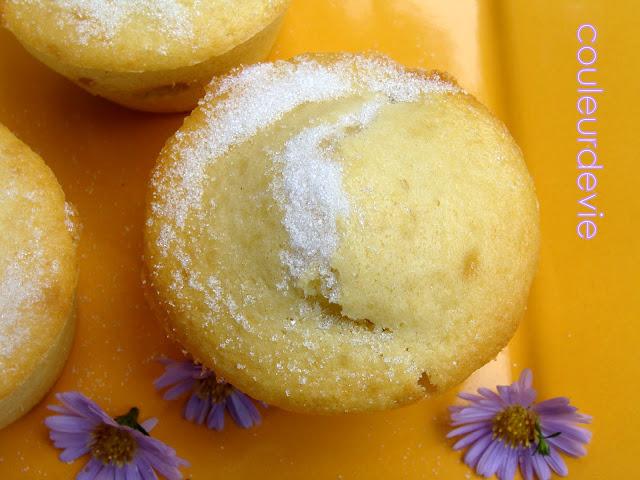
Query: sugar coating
(256,97)
(312,238)
(252,99)
(22,281)
(72,221)
(20,288)
(38,275)
(310,193)
(306,340)
(102,20)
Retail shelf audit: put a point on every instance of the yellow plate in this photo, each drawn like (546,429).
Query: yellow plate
(580,336)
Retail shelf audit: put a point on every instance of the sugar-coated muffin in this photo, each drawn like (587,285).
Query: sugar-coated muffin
(38,276)
(153,55)
(339,233)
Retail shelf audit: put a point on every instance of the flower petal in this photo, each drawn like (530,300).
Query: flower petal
(556,463)
(79,405)
(471,415)
(526,464)
(90,470)
(491,395)
(179,389)
(244,413)
(569,418)
(543,472)
(167,470)
(521,391)
(566,430)
(149,424)
(505,393)
(467,440)
(215,419)
(159,457)
(144,468)
(476,450)
(509,464)
(468,428)
(73,453)
(568,446)
(159,449)
(68,440)
(178,372)
(525,381)
(251,407)
(196,409)
(108,472)
(131,471)
(173,376)
(70,424)
(469,397)
(553,405)
(119,473)
(525,397)
(492,459)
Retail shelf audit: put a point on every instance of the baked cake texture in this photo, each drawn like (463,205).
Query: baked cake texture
(38,276)
(154,55)
(339,233)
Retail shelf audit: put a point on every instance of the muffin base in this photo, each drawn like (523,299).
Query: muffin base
(216,231)
(162,91)
(44,375)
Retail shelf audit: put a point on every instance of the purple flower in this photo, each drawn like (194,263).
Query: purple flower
(120,448)
(209,396)
(507,430)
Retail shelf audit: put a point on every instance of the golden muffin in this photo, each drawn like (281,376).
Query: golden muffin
(38,276)
(338,233)
(153,55)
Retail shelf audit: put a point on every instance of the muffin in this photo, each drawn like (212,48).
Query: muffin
(338,233)
(38,276)
(153,55)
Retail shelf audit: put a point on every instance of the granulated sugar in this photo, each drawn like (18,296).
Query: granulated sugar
(102,20)
(261,95)
(305,336)
(22,284)
(254,98)
(26,275)
(258,96)
(18,290)
(310,193)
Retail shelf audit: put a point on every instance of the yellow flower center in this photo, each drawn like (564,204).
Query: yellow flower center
(112,445)
(210,388)
(516,426)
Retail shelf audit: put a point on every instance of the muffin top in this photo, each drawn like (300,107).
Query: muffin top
(337,233)
(38,270)
(137,35)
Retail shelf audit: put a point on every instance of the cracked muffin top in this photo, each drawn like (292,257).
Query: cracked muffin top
(137,35)
(338,233)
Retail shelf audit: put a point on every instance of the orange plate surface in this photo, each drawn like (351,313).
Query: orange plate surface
(580,335)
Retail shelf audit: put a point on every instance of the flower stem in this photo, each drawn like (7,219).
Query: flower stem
(543,446)
(130,419)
